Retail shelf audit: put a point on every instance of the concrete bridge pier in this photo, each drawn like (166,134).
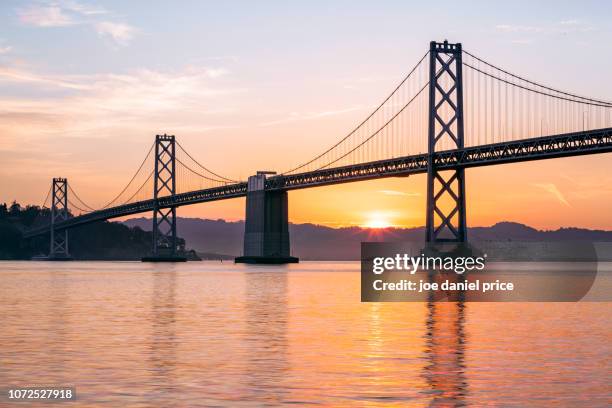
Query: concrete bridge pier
(266,230)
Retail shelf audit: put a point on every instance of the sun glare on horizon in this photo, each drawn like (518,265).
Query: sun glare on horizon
(377,220)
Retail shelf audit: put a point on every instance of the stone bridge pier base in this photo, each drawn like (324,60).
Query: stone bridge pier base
(266,231)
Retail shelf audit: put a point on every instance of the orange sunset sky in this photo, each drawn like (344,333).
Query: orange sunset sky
(85,86)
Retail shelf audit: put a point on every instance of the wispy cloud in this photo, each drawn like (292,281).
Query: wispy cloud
(356,83)
(191,81)
(120,33)
(573,25)
(586,187)
(524,41)
(87,106)
(214,72)
(570,22)
(84,9)
(519,28)
(552,189)
(560,27)
(296,116)
(69,13)
(5,49)
(19,75)
(50,15)
(94,110)
(398,193)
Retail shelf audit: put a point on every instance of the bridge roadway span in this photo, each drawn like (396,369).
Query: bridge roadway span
(539,148)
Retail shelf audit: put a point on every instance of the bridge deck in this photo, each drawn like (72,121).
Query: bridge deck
(539,148)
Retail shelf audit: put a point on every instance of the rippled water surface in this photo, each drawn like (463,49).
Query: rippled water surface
(219,334)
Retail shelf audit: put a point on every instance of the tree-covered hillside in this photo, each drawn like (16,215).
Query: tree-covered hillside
(101,240)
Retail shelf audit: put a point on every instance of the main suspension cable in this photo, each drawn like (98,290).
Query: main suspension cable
(131,180)
(583,102)
(364,121)
(139,188)
(79,199)
(378,131)
(204,168)
(77,207)
(203,176)
(47,197)
(595,101)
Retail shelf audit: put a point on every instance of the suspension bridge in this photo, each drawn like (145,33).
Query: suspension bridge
(453,110)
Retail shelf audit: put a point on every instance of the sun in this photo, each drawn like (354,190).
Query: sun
(377,220)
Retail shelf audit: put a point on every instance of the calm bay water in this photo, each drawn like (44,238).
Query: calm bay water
(218,334)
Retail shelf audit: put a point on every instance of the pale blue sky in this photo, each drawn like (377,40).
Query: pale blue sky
(288,40)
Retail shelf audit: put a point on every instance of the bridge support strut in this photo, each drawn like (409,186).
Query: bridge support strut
(446,219)
(266,228)
(164,219)
(58,245)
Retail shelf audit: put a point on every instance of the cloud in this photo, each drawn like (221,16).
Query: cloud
(68,13)
(17,75)
(569,22)
(141,86)
(295,116)
(585,187)
(398,193)
(42,113)
(213,72)
(87,106)
(5,49)
(120,33)
(519,28)
(230,58)
(84,9)
(524,41)
(552,189)
(356,83)
(563,27)
(44,16)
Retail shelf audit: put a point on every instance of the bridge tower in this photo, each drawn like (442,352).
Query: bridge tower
(266,226)
(58,245)
(446,220)
(164,219)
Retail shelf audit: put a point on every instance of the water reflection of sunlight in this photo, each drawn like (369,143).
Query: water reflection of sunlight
(391,356)
(163,332)
(375,338)
(266,323)
(445,352)
(199,334)
(60,324)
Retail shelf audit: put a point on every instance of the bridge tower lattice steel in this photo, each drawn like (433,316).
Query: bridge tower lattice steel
(58,248)
(164,184)
(446,218)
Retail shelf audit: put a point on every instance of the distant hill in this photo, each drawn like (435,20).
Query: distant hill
(317,242)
